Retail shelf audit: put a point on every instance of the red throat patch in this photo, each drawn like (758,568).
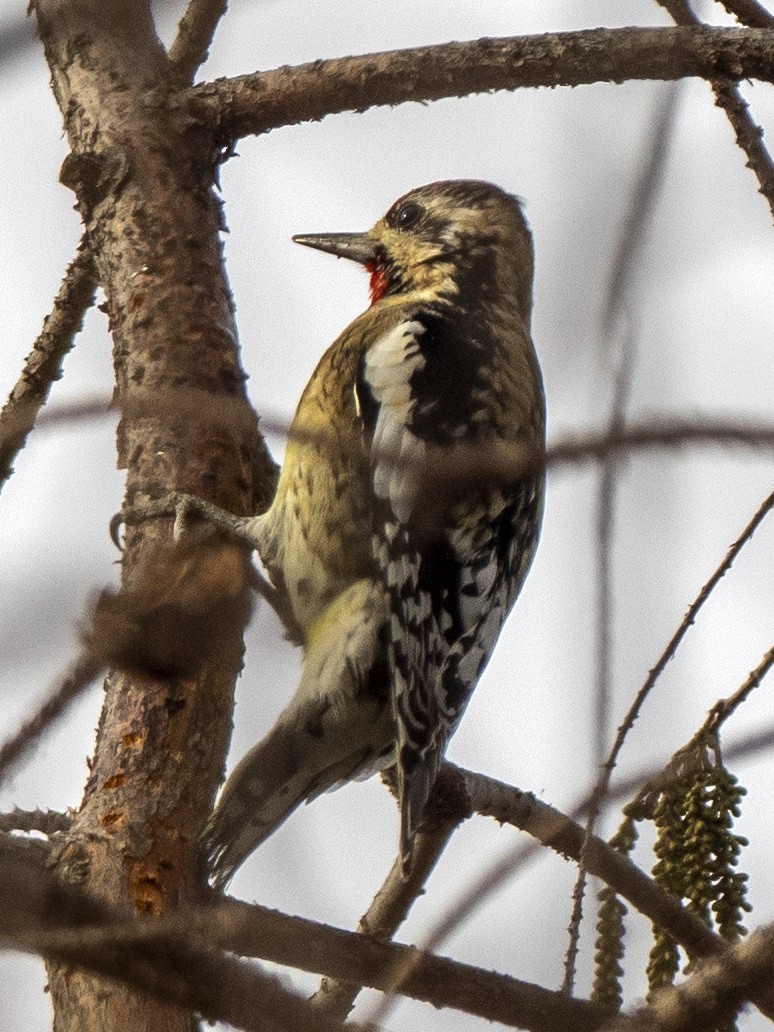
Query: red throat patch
(378,283)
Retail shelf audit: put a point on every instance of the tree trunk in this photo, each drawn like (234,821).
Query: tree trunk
(142,170)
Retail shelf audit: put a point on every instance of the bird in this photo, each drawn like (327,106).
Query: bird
(397,556)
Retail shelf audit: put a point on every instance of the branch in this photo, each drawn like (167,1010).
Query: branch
(81,674)
(194,36)
(455,467)
(688,620)
(174,958)
(723,709)
(347,956)
(647,796)
(257,103)
(552,828)
(749,12)
(749,135)
(62,923)
(44,363)
(46,821)
(397,895)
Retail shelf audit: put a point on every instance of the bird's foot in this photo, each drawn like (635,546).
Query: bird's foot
(187,510)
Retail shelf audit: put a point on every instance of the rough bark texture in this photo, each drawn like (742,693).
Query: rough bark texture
(142,171)
(283,96)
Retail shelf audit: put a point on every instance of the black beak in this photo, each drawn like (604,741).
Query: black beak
(356,246)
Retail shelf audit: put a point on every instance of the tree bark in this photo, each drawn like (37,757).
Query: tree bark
(142,171)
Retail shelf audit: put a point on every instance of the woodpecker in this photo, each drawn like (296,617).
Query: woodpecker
(396,586)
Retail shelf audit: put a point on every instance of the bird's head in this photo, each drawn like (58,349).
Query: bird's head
(461,240)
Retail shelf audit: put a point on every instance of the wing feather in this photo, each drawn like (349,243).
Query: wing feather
(449,589)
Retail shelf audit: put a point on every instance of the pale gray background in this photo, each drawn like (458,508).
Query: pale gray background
(703,307)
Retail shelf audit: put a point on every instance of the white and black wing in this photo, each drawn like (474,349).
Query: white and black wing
(451,579)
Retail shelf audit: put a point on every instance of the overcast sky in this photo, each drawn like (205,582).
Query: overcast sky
(701,315)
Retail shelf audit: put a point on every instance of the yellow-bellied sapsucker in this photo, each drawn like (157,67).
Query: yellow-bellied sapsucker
(398,582)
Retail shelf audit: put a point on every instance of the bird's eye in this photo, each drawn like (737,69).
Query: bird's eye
(405,216)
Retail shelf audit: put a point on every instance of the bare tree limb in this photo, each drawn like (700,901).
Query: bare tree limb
(44,363)
(394,900)
(258,103)
(723,709)
(558,831)
(78,678)
(194,36)
(46,821)
(142,174)
(254,931)
(62,923)
(562,833)
(686,623)
(177,958)
(749,135)
(749,12)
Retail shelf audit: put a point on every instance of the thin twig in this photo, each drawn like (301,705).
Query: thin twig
(723,709)
(44,363)
(390,908)
(504,461)
(649,793)
(603,784)
(619,326)
(46,821)
(501,870)
(602,788)
(749,135)
(79,677)
(258,103)
(750,12)
(194,36)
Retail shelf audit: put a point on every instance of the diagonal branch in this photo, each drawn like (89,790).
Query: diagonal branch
(43,365)
(392,903)
(603,782)
(194,36)
(257,103)
(749,135)
(750,12)
(46,821)
(563,834)
(80,675)
(549,826)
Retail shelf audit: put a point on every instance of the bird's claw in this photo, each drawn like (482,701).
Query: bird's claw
(180,506)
